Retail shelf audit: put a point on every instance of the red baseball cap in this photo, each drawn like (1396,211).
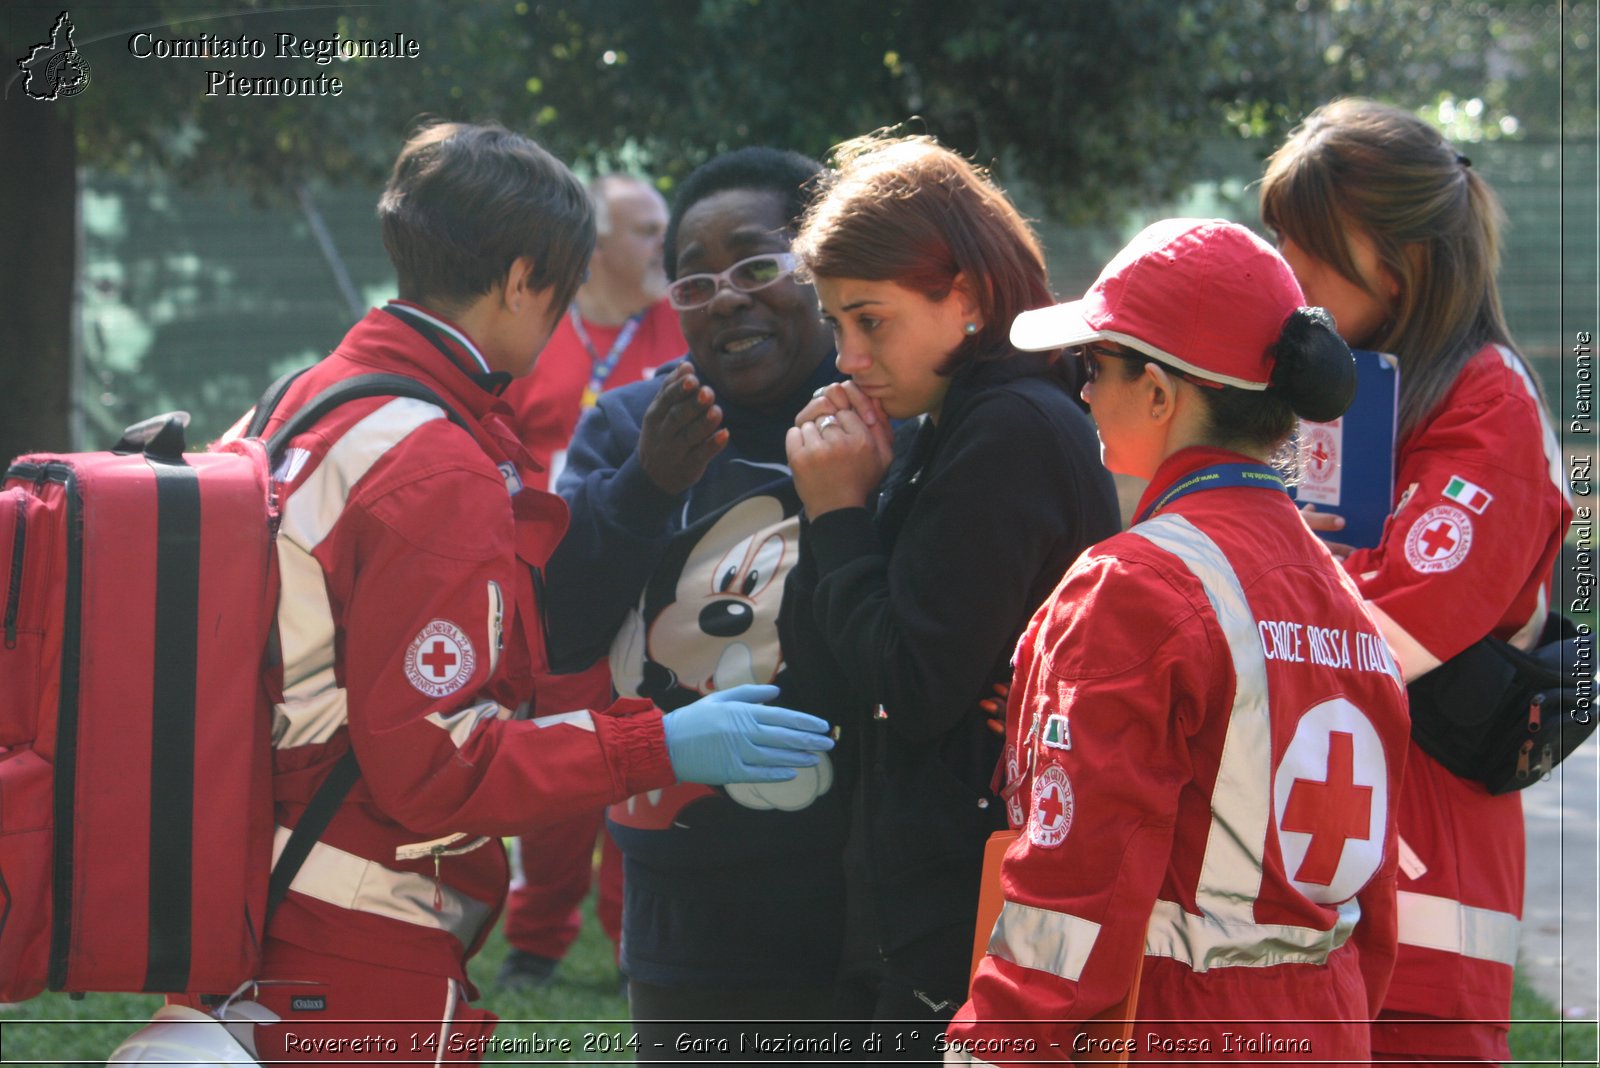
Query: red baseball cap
(1204,295)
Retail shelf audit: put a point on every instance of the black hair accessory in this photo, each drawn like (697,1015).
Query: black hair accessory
(1313,369)
(1463,160)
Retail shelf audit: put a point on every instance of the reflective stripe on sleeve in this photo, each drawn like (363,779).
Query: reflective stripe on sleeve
(1043,940)
(1552,444)
(957,1056)
(314,705)
(1241,801)
(350,882)
(1440,923)
(1527,637)
(460,724)
(584,721)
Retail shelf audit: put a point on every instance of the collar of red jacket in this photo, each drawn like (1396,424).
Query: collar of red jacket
(383,341)
(1186,462)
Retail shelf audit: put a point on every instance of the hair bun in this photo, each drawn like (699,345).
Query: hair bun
(1313,369)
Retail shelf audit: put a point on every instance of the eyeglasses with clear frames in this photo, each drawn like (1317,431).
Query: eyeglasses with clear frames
(747,276)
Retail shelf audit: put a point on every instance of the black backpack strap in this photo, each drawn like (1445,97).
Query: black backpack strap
(349,389)
(326,801)
(269,402)
(313,821)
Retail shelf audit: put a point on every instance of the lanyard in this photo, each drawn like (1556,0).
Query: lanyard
(1218,476)
(600,369)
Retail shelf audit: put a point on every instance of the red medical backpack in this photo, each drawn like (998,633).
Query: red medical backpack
(136,815)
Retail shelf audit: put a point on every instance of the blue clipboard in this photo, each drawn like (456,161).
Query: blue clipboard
(1347,466)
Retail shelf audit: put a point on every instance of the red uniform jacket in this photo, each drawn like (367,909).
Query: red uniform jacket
(409,629)
(1206,740)
(1468,551)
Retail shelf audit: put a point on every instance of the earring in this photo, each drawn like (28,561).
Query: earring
(970,329)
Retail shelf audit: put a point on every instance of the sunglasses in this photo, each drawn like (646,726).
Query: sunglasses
(1089,357)
(747,276)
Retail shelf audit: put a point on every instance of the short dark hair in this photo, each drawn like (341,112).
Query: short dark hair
(910,211)
(464,201)
(788,174)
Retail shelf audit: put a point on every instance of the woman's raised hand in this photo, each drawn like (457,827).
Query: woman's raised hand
(681,431)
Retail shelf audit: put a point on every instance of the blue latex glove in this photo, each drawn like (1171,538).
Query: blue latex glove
(732,736)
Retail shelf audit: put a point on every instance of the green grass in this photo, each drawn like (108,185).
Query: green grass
(1553,1041)
(581,1006)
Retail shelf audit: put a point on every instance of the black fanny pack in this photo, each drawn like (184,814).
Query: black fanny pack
(1503,717)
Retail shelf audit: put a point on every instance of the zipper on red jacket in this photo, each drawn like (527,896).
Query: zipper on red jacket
(19,544)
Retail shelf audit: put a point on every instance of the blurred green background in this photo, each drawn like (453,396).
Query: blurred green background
(174,249)
(169,249)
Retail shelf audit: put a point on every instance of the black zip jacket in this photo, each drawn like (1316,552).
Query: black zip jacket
(902,621)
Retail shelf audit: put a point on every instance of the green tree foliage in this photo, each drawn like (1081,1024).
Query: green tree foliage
(1091,105)
(1095,103)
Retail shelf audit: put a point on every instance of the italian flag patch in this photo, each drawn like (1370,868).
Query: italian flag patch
(1470,495)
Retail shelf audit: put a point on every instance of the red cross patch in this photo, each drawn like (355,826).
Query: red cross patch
(440,659)
(1332,812)
(1439,539)
(1331,799)
(1052,808)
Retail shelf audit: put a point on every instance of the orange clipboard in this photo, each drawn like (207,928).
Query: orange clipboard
(1111,1029)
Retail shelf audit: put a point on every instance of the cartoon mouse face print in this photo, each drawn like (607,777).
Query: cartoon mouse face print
(722,630)
(720,627)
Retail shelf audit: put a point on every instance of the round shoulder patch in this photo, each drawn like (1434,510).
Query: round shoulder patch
(1331,799)
(1052,808)
(1439,539)
(440,659)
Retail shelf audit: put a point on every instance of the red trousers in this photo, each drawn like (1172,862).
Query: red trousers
(557,862)
(334,1011)
(542,915)
(1407,1037)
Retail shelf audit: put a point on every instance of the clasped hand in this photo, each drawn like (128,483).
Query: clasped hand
(839,449)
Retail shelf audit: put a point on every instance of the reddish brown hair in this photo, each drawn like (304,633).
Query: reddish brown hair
(910,211)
